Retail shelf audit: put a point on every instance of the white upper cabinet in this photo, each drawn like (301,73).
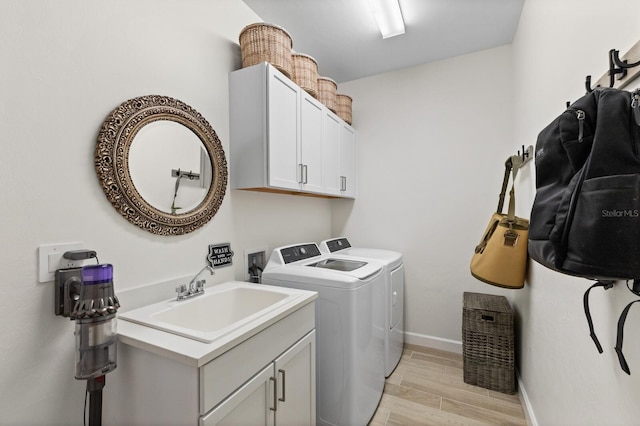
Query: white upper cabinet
(282,131)
(311,142)
(280,140)
(331,153)
(347,161)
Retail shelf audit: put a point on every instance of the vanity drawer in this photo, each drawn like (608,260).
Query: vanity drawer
(222,376)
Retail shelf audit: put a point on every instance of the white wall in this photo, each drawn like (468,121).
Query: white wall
(432,141)
(566,380)
(66,65)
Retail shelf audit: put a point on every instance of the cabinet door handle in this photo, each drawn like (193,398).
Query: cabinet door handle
(343,183)
(275,394)
(304,174)
(284,380)
(301,171)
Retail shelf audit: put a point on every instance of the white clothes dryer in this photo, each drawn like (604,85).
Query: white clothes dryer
(349,345)
(393,267)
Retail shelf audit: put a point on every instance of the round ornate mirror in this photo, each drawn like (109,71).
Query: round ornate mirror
(161,165)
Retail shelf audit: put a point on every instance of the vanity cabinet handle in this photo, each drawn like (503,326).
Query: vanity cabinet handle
(275,394)
(284,380)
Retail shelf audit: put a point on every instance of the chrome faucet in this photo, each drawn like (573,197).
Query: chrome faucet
(194,288)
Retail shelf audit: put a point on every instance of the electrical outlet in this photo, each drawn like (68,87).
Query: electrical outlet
(50,259)
(254,262)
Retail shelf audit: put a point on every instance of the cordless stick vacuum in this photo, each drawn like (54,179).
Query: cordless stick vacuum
(90,290)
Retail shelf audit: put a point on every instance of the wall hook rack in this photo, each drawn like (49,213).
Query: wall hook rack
(616,66)
(619,73)
(526,155)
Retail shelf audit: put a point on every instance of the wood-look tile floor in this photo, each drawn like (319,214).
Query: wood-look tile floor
(427,388)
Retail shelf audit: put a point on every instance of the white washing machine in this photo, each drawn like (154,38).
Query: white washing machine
(349,348)
(393,266)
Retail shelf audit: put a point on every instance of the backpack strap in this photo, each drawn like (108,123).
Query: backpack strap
(623,318)
(585,299)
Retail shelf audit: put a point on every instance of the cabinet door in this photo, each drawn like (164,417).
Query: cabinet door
(311,112)
(252,404)
(331,179)
(348,161)
(296,373)
(282,131)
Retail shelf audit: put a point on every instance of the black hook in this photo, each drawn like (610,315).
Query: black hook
(587,84)
(525,154)
(613,54)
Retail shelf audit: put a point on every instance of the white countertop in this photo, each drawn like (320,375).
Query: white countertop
(195,353)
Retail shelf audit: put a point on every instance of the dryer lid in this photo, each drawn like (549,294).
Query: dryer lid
(341,246)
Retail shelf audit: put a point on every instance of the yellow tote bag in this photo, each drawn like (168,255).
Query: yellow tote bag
(501,257)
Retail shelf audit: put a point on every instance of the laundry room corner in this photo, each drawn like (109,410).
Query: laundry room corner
(431,163)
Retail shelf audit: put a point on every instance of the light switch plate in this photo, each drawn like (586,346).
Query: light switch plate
(50,258)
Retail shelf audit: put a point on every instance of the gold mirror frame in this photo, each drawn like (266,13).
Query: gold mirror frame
(112,164)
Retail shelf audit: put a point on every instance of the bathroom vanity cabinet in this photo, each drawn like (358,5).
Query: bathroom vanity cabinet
(282,392)
(284,140)
(261,379)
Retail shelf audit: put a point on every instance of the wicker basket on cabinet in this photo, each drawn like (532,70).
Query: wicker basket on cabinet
(488,342)
(327,92)
(343,107)
(305,73)
(262,42)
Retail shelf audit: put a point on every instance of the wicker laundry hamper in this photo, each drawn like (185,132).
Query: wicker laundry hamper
(305,73)
(343,107)
(488,342)
(262,42)
(327,92)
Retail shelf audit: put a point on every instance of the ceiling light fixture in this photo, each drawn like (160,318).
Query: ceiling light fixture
(388,17)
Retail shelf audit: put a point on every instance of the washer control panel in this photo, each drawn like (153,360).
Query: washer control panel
(300,252)
(338,244)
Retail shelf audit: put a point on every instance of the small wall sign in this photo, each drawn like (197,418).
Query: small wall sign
(220,255)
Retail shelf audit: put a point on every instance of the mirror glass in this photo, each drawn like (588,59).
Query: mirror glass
(161,165)
(170,167)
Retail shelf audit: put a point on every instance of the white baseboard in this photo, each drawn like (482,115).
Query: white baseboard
(433,342)
(524,398)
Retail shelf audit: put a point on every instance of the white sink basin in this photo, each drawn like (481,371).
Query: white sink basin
(221,310)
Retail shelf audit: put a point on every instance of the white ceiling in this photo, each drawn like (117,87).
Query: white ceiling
(343,37)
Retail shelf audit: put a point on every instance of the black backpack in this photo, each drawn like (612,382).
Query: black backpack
(585,219)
